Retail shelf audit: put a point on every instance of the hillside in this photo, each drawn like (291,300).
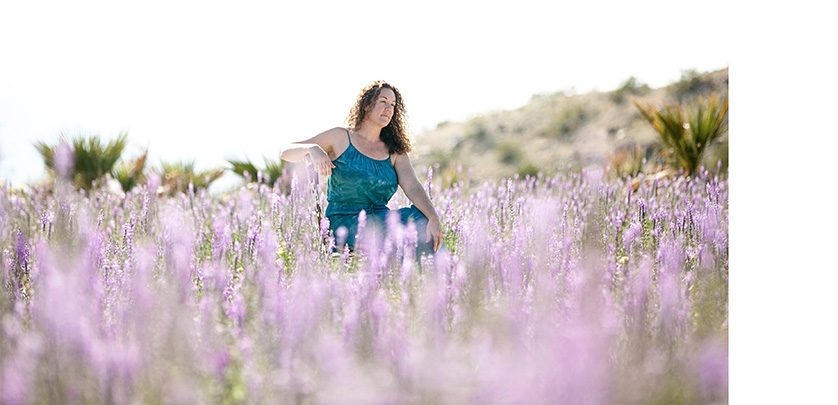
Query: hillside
(556,130)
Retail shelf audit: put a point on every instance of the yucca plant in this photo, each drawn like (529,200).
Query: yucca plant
(130,174)
(687,131)
(177,176)
(92,159)
(271,172)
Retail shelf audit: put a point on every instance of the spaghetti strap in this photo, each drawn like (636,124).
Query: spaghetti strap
(347,135)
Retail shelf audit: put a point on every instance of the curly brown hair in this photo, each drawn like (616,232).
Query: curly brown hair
(394,135)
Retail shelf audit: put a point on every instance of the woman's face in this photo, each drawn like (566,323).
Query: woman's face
(382,109)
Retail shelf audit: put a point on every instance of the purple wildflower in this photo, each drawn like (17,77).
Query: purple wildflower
(64,159)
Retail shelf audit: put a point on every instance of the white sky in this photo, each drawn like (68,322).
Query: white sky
(212,80)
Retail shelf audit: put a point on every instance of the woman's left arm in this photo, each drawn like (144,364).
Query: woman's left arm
(416,193)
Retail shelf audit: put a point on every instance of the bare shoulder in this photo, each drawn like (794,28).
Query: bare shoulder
(401,160)
(337,140)
(330,140)
(332,135)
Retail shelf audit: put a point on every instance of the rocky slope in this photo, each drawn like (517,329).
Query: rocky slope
(556,130)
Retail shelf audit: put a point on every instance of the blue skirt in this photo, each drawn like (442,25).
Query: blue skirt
(377,221)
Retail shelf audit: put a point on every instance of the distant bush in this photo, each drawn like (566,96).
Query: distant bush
(510,152)
(131,174)
(528,169)
(478,133)
(567,122)
(178,176)
(443,157)
(716,156)
(630,87)
(691,85)
(627,160)
(633,159)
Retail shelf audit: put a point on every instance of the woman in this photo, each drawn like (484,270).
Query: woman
(366,163)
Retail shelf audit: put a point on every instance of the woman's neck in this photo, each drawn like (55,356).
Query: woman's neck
(369,132)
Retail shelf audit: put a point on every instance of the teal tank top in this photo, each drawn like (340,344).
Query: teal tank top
(359,182)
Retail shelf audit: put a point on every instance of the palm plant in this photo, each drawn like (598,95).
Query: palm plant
(92,159)
(130,174)
(687,132)
(271,172)
(177,176)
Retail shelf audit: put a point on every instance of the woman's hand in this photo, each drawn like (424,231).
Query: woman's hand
(320,160)
(434,232)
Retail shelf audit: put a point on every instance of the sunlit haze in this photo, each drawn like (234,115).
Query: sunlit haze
(208,81)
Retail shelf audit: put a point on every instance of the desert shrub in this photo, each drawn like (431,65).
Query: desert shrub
(527,169)
(630,87)
(130,174)
(563,125)
(691,85)
(478,133)
(686,132)
(627,160)
(510,152)
(178,176)
(717,155)
(443,157)
(84,159)
(632,159)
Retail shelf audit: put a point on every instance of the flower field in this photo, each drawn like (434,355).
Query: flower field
(567,289)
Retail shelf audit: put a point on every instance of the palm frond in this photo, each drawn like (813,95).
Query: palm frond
(94,159)
(47,153)
(271,172)
(241,167)
(131,174)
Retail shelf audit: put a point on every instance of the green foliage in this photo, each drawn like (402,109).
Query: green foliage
(510,152)
(130,174)
(92,159)
(528,169)
(478,133)
(691,85)
(565,124)
(177,176)
(271,172)
(717,154)
(687,132)
(629,87)
(445,158)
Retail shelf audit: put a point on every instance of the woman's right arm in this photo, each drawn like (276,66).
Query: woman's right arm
(319,149)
